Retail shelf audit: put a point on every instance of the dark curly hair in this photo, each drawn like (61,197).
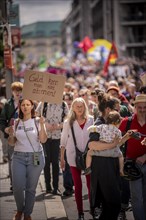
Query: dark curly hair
(105,101)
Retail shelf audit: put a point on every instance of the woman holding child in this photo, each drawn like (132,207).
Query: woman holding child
(105,175)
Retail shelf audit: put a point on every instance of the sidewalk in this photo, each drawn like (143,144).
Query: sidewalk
(47,206)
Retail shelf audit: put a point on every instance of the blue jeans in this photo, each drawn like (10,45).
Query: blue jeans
(138,196)
(25,176)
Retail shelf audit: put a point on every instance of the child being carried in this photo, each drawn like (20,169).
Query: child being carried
(108,132)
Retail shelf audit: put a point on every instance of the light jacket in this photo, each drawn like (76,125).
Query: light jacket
(81,135)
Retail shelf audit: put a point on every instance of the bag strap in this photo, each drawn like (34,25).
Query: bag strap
(63,112)
(75,143)
(28,136)
(73,135)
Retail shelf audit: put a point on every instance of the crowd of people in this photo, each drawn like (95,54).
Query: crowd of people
(97,109)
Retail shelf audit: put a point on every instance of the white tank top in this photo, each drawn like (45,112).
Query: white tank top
(23,144)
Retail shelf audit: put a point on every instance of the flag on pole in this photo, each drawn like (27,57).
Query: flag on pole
(112,57)
(86,44)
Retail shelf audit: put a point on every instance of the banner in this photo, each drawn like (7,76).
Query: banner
(44,87)
(100,50)
(16,37)
(7,47)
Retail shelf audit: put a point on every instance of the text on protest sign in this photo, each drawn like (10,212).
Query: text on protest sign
(44,87)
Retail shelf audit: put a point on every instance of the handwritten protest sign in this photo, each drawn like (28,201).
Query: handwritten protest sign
(44,87)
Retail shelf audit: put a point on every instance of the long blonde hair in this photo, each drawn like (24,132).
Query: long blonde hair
(72,115)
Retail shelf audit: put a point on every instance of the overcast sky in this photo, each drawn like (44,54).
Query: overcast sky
(42,10)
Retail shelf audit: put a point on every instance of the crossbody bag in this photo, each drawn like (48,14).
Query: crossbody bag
(36,160)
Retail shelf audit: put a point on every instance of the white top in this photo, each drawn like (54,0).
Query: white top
(107,134)
(54,116)
(22,144)
(81,135)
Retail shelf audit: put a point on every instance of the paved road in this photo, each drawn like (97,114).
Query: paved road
(47,206)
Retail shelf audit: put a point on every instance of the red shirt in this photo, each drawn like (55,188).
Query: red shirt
(82,125)
(134,147)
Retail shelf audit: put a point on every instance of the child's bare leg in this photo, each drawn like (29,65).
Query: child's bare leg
(88,162)
(89,158)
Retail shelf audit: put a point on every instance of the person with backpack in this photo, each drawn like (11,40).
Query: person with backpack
(137,152)
(7,116)
(54,115)
(26,135)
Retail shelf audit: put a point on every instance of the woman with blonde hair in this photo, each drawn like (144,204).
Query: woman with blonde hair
(80,120)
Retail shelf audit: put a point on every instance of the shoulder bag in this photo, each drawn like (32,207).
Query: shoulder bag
(80,156)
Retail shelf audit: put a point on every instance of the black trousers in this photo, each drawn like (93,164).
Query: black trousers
(105,187)
(125,192)
(67,176)
(51,150)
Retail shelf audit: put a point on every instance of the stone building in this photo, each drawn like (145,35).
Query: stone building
(42,39)
(121,21)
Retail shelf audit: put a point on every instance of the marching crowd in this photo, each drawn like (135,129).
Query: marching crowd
(96,112)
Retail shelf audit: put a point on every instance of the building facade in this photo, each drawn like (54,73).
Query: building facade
(121,21)
(41,39)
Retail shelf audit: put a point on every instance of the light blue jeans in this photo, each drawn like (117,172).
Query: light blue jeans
(138,196)
(25,176)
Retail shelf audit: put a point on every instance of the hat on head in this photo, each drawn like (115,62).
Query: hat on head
(113,88)
(140,98)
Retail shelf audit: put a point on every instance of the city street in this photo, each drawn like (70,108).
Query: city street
(73,64)
(47,206)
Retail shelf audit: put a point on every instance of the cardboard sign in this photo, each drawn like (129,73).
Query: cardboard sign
(44,87)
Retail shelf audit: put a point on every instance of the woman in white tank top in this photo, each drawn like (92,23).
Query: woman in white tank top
(26,135)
